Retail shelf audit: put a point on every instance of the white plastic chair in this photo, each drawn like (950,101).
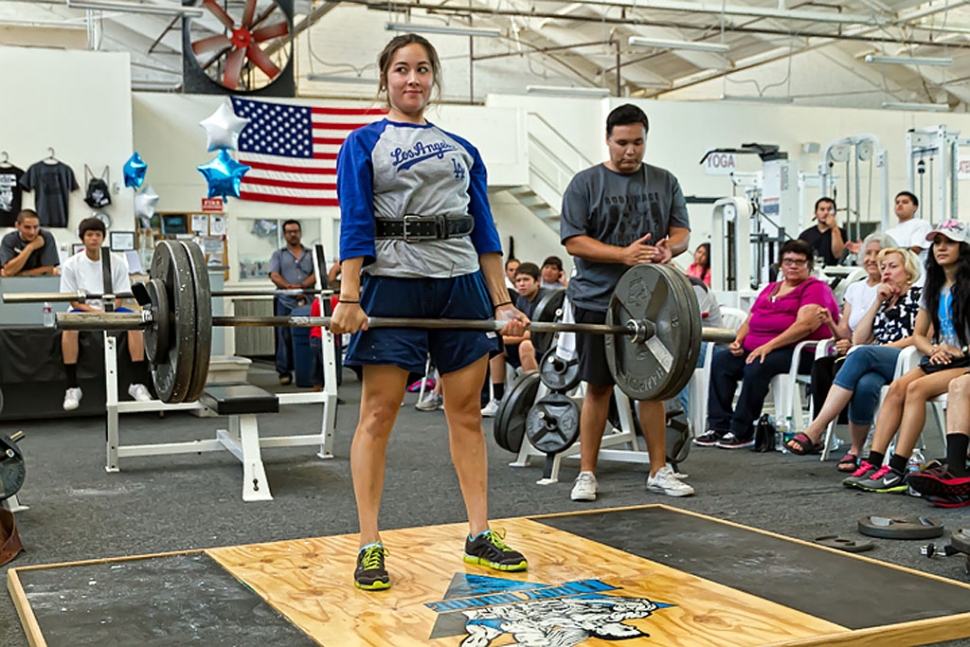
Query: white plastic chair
(697,389)
(786,389)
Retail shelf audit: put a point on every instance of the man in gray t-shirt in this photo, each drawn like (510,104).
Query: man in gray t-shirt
(290,268)
(616,215)
(28,250)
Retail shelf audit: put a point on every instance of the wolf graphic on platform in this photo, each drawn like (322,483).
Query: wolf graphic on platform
(558,623)
(484,608)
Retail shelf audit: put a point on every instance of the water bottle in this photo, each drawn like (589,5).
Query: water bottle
(781,433)
(48,315)
(789,431)
(916,459)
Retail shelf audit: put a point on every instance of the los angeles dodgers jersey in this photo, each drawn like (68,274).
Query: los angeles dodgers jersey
(388,170)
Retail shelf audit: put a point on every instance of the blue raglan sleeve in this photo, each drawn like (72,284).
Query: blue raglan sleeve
(355,193)
(484,236)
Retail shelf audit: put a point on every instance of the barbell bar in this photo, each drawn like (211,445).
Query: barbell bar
(652,332)
(81,297)
(117,321)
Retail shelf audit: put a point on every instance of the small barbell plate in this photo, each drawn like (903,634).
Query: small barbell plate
(559,374)
(509,425)
(643,369)
(548,310)
(203,320)
(158,335)
(961,540)
(553,423)
(172,375)
(901,527)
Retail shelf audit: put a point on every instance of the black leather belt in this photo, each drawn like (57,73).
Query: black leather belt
(413,228)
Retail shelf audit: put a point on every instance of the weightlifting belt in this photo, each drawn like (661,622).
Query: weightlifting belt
(413,228)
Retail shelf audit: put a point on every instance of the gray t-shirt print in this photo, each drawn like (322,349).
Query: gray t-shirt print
(617,209)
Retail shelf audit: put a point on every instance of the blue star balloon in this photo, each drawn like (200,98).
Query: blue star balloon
(223,174)
(134,171)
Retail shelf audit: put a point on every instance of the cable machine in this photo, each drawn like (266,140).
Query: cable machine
(852,151)
(936,185)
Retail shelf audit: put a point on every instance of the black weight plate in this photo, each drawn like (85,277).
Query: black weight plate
(679,434)
(696,322)
(911,527)
(13,470)
(548,310)
(961,540)
(203,320)
(689,313)
(158,335)
(509,426)
(553,423)
(172,375)
(559,374)
(613,417)
(643,370)
(845,543)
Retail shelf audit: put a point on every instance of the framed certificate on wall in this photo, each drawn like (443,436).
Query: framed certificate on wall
(122,241)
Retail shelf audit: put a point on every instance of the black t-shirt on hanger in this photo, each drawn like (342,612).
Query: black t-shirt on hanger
(10,194)
(52,185)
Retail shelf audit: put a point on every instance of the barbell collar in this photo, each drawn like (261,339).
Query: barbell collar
(81,297)
(136,320)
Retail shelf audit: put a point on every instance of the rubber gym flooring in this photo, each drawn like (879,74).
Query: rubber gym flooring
(662,570)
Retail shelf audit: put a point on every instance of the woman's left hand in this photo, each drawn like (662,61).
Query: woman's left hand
(842,346)
(758,353)
(944,354)
(516,321)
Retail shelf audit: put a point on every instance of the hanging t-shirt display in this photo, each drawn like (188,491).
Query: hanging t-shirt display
(10,193)
(52,185)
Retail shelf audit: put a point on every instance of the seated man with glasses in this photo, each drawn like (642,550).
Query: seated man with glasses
(785,313)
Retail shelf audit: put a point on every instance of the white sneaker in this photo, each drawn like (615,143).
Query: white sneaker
(490,409)
(72,398)
(140,393)
(664,482)
(430,402)
(584,489)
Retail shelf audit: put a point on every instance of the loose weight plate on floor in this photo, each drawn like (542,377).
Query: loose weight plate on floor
(961,540)
(509,425)
(911,527)
(172,375)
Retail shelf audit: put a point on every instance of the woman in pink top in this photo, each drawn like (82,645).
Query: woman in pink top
(701,267)
(785,313)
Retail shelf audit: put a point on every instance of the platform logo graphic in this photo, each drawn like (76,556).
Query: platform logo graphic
(483,608)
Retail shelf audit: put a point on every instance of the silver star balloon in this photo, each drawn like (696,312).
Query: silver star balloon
(145,203)
(222,128)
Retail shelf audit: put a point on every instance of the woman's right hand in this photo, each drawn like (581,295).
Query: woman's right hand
(886,291)
(348,318)
(842,346)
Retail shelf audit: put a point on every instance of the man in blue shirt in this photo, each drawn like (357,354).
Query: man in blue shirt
(290,268)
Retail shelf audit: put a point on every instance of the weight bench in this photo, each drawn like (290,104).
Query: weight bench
(241,402)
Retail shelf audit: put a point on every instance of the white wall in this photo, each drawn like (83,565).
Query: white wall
(78,103)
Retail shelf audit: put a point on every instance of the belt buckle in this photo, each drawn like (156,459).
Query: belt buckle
(411,219)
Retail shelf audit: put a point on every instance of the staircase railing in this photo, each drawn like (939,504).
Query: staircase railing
(553,160)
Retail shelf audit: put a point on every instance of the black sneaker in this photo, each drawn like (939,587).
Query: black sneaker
(709,438)
(488,549)
(730,441)
(371,574)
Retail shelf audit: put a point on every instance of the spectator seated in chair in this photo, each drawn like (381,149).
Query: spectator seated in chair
(519,351)
(886,327)
(785,313)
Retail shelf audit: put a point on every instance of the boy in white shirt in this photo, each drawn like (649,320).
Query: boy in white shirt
(83,273)
(911,231)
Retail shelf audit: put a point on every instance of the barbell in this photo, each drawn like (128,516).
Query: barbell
(652,333)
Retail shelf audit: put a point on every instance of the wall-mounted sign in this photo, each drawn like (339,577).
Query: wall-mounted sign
(719,164)
(212,204)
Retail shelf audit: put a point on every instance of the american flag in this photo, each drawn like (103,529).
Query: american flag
(292,150)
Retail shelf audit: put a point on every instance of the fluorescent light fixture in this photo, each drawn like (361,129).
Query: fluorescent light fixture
(442,30)
(920,107)
(335,78)
(715,48)
(941,61)
(133,7)
(154,86)
(567,91)
(755,98)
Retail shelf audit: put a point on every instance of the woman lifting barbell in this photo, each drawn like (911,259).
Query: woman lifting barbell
(415,221)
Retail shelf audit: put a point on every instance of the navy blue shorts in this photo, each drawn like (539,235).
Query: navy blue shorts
(460,297)
(512,355)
